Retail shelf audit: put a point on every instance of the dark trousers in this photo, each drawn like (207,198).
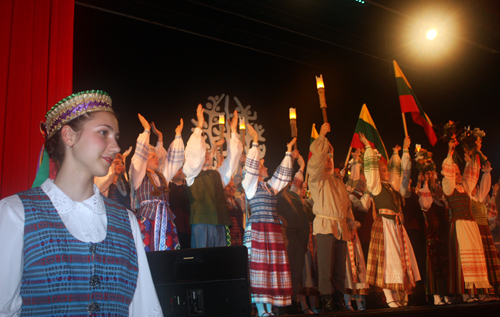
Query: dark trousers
(331,264)
(296,247)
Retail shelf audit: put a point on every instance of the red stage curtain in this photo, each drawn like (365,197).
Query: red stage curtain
(36,71)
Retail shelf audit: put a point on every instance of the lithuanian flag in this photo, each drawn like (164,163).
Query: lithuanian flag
(409,103)
(314,136)
(367,127)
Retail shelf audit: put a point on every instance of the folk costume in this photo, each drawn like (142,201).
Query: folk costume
(151,195)
(270,281)
(295,228)
(67,257)
(479,211)
(209,213)
(391,262)
(118,191)
(332,225)
(467,266)
(355,282)
(236,231)
(437,229)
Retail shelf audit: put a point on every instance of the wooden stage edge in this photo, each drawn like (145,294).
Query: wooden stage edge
(491,308)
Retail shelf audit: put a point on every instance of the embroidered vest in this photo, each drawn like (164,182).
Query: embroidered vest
(66,277)
(148,210)
(460,206)
(208,202)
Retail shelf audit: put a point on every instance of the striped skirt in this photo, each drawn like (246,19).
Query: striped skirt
(270,280)
(491,256)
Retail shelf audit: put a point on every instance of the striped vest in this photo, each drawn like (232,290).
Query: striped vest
(66,277)
(149,203)
(263,206)
(460,206)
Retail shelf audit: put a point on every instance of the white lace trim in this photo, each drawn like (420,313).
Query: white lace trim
(85,220)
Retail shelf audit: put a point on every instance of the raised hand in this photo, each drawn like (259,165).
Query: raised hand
(144,122)
(295,154)
(179,128)
(396,149)
(126,153)
(363,139)
(234,122)
(290,145)
(200,116)
(219,143)
(157,132)
(355,154)
(253,133)
(406,143)
(325,128)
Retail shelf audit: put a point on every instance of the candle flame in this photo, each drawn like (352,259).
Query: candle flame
(242,123)
(293,114)
(319,82)
(418,147)
(221,119)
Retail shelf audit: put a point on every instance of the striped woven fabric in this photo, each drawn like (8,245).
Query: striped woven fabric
(270,279)
(66,277)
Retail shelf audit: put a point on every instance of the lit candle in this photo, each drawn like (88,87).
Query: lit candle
(321,92)
(293,114)
(221,119)
(242,123)
(418,147)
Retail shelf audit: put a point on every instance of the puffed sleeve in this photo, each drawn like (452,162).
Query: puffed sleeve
(252,164)
(139,160)
(195,156)
(11,244)
(230,164)
(372,174)
(174,158)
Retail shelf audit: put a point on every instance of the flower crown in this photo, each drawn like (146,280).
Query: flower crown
(72,107)
(469,137)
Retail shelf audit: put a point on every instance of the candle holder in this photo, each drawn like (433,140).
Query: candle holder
(293,124)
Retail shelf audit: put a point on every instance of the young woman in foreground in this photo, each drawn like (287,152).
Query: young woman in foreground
(66,249)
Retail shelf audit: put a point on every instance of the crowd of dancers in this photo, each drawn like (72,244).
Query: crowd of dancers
(328,241)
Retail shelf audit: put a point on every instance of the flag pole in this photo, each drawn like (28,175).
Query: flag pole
(404,123)
(347,158)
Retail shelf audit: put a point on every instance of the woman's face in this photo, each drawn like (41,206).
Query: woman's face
(153,161)
(97,146)
(384,172)
(230,189)
(119,166)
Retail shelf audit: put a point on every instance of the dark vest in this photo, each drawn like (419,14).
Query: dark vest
(208,202)
(388,198)
(460,206)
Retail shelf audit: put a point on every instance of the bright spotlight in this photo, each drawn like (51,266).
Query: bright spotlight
(431,34)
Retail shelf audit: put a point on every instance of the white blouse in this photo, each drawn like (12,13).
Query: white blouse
(87,222)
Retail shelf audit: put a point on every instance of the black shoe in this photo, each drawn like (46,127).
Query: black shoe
(327,304)
(340,306)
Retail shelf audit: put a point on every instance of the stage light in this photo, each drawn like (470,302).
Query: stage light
(431,34)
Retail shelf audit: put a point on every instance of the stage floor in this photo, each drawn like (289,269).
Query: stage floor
(480,309)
